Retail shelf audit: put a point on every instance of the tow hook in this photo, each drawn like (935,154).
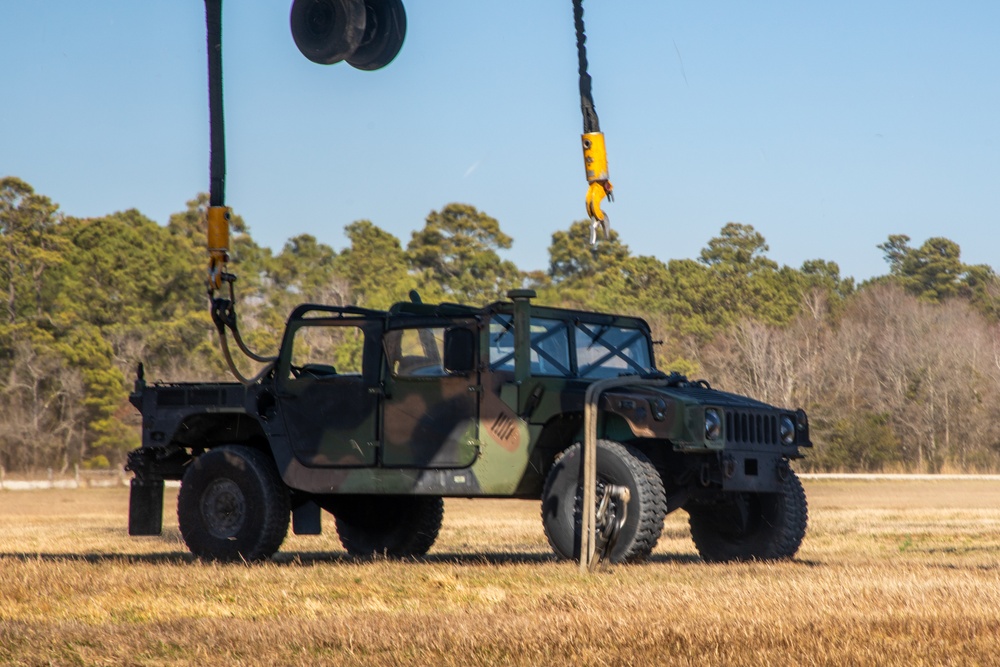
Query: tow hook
(705,478)
(783,470)
(728,467)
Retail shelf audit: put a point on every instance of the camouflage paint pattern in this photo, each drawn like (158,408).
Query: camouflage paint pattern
(405,424)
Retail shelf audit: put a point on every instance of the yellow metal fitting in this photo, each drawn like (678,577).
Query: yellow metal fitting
(595,156)
(218,245)
(218,228)
(595,161)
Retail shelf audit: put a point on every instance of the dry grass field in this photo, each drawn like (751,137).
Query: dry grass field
(891,572)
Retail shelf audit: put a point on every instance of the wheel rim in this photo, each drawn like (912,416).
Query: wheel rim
(371,26)
(327,31)
(385,29)
(223,508)
(614,507)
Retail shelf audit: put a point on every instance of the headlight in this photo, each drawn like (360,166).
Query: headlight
(659,409)
(787,430)
(713,424)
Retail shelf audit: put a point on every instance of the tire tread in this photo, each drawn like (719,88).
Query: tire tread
(274,499)
(650,498)
(780,541)
(418,522)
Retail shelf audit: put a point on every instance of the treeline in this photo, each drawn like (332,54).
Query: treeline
(899,373)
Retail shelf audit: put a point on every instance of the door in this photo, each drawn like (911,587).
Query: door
(329,392)
(430,413)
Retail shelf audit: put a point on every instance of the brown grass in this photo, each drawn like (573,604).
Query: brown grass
(904,573)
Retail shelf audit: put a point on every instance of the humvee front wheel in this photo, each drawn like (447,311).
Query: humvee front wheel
(616,464)
(752,526)
(233,506)
(392,526)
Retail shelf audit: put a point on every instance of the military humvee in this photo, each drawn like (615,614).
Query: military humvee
(375,416)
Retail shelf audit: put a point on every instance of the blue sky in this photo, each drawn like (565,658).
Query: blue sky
(826,126)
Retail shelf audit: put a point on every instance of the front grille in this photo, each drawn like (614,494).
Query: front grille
(751,428)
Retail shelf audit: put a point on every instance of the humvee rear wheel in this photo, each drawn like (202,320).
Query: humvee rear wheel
(392,526)
(616,464)
(233,506)
(752,526)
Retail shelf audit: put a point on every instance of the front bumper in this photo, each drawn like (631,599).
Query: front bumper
(752,471)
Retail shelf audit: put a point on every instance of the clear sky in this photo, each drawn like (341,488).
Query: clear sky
(826,126)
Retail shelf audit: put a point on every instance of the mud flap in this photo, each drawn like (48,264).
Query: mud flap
(145,507)
(306,519)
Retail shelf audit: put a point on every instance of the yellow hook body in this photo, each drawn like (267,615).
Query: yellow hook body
(598,218)
(595,161)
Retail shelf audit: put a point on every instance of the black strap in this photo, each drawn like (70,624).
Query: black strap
(217,164)
(591,123)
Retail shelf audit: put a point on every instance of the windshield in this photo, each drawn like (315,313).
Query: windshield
(560,348)
(605,351)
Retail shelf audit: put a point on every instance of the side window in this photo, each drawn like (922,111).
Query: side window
(502,343)
(417,352)
(549,346)
(324,351)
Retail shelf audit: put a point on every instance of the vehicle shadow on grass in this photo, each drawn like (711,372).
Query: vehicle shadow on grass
(972,567)
(459,558)
(164,558)
(482,558)
(311,558)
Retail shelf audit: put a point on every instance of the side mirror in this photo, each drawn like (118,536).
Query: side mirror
(459,350)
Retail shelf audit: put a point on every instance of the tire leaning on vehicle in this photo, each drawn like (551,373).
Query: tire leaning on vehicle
(233,506)
(616,464)
(753,526)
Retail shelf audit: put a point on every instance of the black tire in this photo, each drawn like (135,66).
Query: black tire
(616,464)
(752,526)
(327,31)
(233,506)
(391,526)
(385,28)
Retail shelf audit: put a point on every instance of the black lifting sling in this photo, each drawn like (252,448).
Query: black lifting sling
(595,157)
